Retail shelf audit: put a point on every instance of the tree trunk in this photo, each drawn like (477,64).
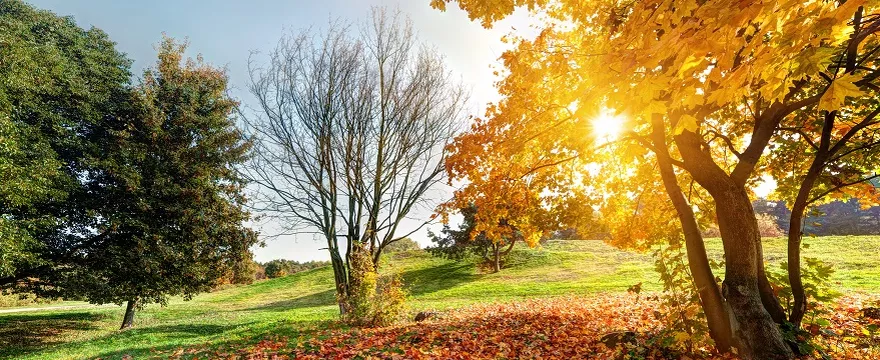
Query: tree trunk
(757,334)
(768,296)
(128,319)
(340,275)
(717,317)
(761,336)
(799,308)
(497,261)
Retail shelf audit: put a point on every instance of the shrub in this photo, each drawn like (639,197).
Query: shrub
(371,302)
(275,268)
(11,299)
(390,305)
(818,288)
(362,288)
(280,267)
(405,244)
(768,226)
(680,311)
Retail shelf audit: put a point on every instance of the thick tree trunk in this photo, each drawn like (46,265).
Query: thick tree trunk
(739,232)
(717,317)
(768,296)
(757,334)
(128,318)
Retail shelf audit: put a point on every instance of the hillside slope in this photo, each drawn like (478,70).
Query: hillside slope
(295,304)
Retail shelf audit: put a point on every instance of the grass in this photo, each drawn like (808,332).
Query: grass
(298,304)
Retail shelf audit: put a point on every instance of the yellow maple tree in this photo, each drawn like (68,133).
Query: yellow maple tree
(704,87)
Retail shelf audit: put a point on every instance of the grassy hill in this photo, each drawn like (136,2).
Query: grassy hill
(297,304)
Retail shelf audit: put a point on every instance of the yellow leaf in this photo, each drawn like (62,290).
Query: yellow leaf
(837,92)
(655,107)
(685,122)
(689,63)
(681,336)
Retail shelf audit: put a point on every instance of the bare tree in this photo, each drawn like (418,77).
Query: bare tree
(351,133)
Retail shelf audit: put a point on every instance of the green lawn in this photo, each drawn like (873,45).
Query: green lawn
(297,304)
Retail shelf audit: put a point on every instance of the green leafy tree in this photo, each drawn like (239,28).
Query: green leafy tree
(57,83)
(173,214)
(276,268)
(456,244)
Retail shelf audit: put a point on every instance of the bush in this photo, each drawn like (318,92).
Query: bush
(390,305)
(405,244)
(280,267)
(818,288)
(371,302)
(362,290)
(10,299)
(275,268)
(768,226)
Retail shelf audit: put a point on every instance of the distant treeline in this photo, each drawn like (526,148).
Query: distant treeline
(281,267)
(834,218)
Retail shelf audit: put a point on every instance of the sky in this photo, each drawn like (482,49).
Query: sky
(227,32)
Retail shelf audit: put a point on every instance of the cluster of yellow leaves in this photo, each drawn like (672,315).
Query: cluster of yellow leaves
(701,66)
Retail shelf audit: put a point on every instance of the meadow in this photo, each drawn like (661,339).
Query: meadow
(302,305)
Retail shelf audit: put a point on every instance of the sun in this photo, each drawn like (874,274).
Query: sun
(607,126)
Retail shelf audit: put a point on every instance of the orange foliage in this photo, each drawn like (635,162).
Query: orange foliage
(551,328)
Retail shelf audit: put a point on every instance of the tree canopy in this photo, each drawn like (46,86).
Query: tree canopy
(111,192)
(58,83)
(173,203)
(628,105)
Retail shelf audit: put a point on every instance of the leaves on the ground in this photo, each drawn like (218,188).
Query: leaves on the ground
(550,328)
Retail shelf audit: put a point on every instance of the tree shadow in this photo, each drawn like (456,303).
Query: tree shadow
(417,282)
(323,298)
(210,348)
(437,278)
(181,330)
(26,333)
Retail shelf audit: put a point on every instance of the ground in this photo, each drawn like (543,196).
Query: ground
(296,314)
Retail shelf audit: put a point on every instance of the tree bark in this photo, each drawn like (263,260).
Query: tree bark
(768,296)
(497,262)
(799,308)
(739,233)
(128,318)
(341,277)
(711,300)
(795,235)
(758,334)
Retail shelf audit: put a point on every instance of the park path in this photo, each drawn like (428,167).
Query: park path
(49,308)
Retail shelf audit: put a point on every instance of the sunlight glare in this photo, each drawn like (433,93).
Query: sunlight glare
(608,125)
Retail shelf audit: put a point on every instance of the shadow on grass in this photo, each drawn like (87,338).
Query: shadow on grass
(180,330)
(248,335)
(436,278)
(26,333)
(322,298)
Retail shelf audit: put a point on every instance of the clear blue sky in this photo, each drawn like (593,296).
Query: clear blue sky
(225,32)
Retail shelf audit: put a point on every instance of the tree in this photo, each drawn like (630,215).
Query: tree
(276,268)
(403,245)
(59,82)
(705,87)
(173,215)
(351,135)
(455,244)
